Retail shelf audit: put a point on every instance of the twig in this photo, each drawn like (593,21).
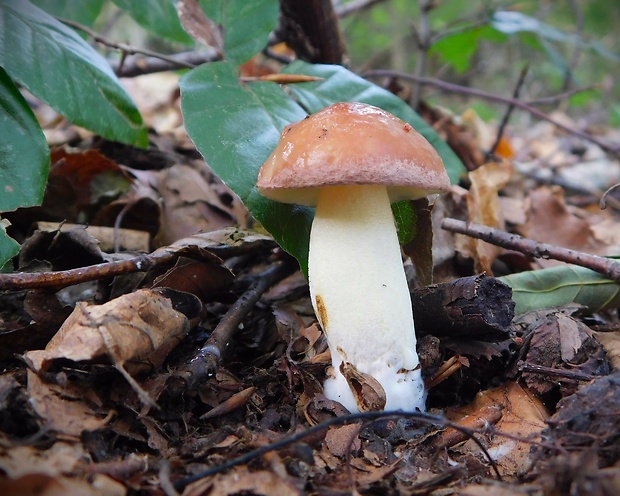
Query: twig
(205,363)
(141,263)
(128,49)
(568,77)
(464,90)
(355,6)
(605,266)
(562,96)
(346,419)
(424,36)
(508,113)
(549,371)
(139,66)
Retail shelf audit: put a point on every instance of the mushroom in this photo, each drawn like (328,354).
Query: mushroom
(351,161)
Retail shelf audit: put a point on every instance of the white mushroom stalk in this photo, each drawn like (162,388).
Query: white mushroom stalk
(361,298)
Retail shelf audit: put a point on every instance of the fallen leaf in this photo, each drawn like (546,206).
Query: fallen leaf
(484,208)
(523,420)
(133,332)
(344,440)
(69,417)
(550,220)
(241,481)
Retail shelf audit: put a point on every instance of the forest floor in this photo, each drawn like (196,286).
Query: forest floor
(114,384)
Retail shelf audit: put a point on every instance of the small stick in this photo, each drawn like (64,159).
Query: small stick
(605,266)
(550,371)
(206,362)
(508,113)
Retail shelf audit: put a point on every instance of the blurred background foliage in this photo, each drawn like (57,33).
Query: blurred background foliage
(486,44)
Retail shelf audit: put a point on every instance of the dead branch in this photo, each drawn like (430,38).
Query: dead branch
(141,263)
(464,90)
(605,266)
(205,363)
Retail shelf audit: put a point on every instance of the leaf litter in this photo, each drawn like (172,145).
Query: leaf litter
(82,373)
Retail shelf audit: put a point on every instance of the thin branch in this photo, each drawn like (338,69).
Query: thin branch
(323,426)
(128,49)
(205,363)
(509,110)
(141,263)
(352,7)
(605,266)
(424,36)
(464,90)
(563,96)
(138,66)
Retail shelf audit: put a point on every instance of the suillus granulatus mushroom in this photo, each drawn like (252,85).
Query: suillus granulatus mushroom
(351,161)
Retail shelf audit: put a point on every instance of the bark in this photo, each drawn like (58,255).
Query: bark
(471,306)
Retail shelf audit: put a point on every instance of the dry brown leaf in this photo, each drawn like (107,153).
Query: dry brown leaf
(133,332)
(199,26)
(133,329)
(551,221)
(61,458)
(562,342)
(192,203)
(611,343)
(36,484)
(344,440)
(241,481)
(484,208)
(523,416)
(70,417)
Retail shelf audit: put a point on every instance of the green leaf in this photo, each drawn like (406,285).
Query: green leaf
(246,25)
(342,85)
(24,154)
(8,247)
(557,286)
(57,66)
(157,16)
(458,49)
(236,127)
(82,11)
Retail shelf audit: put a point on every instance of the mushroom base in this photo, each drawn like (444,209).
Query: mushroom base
(361,298)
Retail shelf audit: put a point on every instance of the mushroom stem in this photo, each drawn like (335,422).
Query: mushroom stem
(360,294)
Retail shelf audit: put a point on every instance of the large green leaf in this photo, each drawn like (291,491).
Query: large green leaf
(157,16)
(24,154)
(57,66)
(342,85)
(557,286)
(236,127)
(82,11)
(246,25)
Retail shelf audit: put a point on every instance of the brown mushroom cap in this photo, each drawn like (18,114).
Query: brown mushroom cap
(351,143)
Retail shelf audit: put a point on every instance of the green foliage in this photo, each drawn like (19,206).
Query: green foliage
(236,127)
(60,68)
(82,11)
(157,16)
(459,48)
(246,25)
(24,154)
(562,285)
